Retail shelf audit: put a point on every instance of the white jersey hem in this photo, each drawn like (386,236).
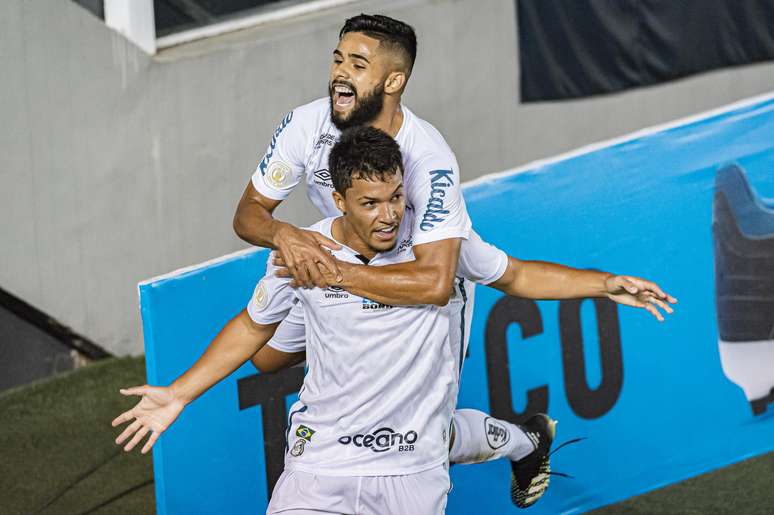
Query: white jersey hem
(356,472)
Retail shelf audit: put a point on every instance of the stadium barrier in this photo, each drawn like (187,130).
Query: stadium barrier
(657,403)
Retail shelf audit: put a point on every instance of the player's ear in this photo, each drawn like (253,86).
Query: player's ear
(338,199)
(394,82)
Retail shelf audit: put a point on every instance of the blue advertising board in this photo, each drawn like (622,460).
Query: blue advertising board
(657,402)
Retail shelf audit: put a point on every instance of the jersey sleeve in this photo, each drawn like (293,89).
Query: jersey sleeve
(282,167)
(480,261)
(433,191)
(272,299)
(290,336)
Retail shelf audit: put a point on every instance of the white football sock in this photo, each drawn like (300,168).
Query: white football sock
(479,437)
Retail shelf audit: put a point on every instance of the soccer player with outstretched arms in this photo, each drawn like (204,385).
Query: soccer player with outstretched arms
(371,66)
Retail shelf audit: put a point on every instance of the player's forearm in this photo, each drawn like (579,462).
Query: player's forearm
(255,224)
(403,284)
(239,340)
(543,280)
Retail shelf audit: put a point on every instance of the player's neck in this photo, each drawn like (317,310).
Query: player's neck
(343,232)
(390,119)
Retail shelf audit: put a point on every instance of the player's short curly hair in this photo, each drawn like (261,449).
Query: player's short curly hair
(390,32)
(363,152)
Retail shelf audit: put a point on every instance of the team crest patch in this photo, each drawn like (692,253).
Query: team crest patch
(497,434)
(298,447)
(260,295)
(279,175)
(305,432)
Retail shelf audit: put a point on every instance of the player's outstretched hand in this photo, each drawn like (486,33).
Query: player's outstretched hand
(633,291)
(155,412)
(304,254)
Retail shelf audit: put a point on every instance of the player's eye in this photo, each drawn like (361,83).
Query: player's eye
(370,203)
(360,67)
(397,197)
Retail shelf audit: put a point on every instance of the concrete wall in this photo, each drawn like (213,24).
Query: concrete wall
(115,166)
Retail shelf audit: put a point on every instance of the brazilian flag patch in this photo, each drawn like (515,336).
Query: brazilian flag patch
(305,433)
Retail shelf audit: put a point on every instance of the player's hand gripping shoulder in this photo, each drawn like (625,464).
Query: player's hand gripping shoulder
(639,293)
(306,257)
(158,408)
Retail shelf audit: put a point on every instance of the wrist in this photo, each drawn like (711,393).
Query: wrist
(606,286)
(180,394)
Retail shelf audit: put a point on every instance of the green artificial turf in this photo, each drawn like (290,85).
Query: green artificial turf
(57,445)
(740,489)
(58,456)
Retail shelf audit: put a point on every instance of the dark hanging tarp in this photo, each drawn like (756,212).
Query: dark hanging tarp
(578,48)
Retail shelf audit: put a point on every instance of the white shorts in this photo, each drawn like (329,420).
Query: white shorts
(302,493)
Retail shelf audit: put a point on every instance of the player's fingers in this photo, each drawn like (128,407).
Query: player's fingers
(303,275)
(139,435)
(653,311)
(663,305)
(329,262)
(326,242)
(126,416)
(277,260)
(628,285)
(130,430)
(283,272)
(151,440)
(317,277)
(134,390)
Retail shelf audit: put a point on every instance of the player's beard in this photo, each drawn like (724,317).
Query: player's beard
(366,109)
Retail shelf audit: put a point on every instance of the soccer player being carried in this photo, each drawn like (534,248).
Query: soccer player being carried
(371,66)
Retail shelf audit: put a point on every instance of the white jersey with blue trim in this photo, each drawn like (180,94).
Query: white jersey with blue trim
(382,380)
(299,150)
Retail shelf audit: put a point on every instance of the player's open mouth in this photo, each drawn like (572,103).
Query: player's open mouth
(386,233)
(343,96)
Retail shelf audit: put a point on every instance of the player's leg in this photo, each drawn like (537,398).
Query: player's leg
(478,437)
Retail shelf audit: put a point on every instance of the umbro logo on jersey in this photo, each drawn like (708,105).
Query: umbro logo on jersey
(323,178)
(382,440)
(371,304)
(335,292)
(497,434)
(439,181)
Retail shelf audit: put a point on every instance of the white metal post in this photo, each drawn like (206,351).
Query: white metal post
(134,19)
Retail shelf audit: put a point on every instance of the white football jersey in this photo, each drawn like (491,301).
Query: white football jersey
(299,151)
(381,383)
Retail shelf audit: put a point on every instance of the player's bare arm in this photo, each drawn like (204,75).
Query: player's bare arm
(303,251)
(159,407)
(269,359)
(543,280)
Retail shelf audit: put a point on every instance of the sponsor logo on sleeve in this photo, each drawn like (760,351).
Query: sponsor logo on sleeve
(270,152)
(497,434)
(435,212)
(279,175)
(260,295)
(382,440)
